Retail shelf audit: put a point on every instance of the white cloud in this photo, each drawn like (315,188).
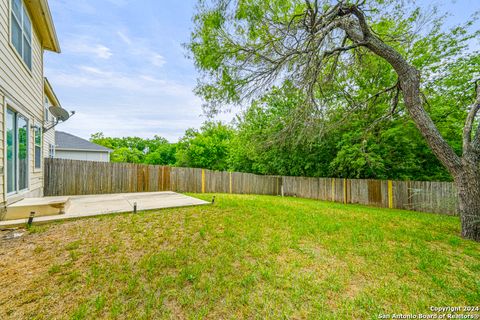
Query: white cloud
(93,77)
(101,51)
(86,46)
(121,103)
(157,60)
(117,125)
(93,70)
(140,47)
(124,37)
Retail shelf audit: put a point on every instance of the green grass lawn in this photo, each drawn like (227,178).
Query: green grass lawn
(244,257)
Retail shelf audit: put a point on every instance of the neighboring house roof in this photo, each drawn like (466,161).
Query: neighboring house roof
(42,19)
(67,141)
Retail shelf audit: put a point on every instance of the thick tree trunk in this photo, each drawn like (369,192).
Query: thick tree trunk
(465,170)
(468,189)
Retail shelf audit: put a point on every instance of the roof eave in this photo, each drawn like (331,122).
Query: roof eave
(50,93)
(83,150)
(42,17)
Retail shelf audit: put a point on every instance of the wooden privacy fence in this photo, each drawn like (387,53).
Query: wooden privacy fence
(71,177)
(426,196)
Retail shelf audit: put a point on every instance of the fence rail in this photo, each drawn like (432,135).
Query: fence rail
(72,177)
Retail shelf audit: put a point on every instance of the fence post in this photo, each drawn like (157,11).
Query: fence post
(345,190)
(276,188)
(203,180)
(333,189)
(390,194)
(230,185)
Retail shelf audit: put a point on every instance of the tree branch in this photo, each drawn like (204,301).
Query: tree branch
(335,62)
(342,49)
(467,131)
(409,78)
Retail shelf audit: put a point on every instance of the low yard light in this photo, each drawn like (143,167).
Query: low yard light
(30,219)
(134,207)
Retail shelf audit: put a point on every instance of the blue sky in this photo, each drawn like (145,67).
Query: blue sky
(123,68)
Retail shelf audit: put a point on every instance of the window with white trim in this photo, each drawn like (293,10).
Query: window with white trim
(51,150)
(47,113)
(17,151)
(21,31)
(38,146)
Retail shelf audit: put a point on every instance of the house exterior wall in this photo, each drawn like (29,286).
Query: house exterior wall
(48,136)
(23,91)
(2,169)
(48,140)
(101,156)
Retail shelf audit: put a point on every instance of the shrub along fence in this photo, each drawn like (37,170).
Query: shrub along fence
(72,177)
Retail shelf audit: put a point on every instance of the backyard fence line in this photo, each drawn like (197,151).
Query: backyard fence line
(73,177)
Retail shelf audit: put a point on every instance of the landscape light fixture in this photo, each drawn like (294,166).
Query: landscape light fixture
(30,219)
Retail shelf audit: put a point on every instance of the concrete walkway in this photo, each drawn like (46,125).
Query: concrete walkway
(94,205)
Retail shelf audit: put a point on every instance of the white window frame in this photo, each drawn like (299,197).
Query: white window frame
(9,105)
(47,112)
(35,145)
(51,150)
(19,20)
(48,116)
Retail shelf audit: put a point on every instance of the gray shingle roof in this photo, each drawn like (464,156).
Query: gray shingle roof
(68,141)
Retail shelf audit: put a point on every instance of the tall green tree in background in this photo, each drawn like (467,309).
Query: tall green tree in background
(164,154)
(207,148)
(129,155)
(137,150)
(355,148)
(325,48)
(261,145)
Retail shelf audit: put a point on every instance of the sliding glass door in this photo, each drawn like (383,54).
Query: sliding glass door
(22,155)
(11,152)
(17,152)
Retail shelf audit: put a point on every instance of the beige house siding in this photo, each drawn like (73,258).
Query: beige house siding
(24,92)
(2,170)
(48,136)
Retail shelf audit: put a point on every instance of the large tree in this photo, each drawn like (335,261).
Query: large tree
(244,47)
(361,147)
(207,147)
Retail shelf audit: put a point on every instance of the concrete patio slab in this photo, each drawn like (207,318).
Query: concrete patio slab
(94,205)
